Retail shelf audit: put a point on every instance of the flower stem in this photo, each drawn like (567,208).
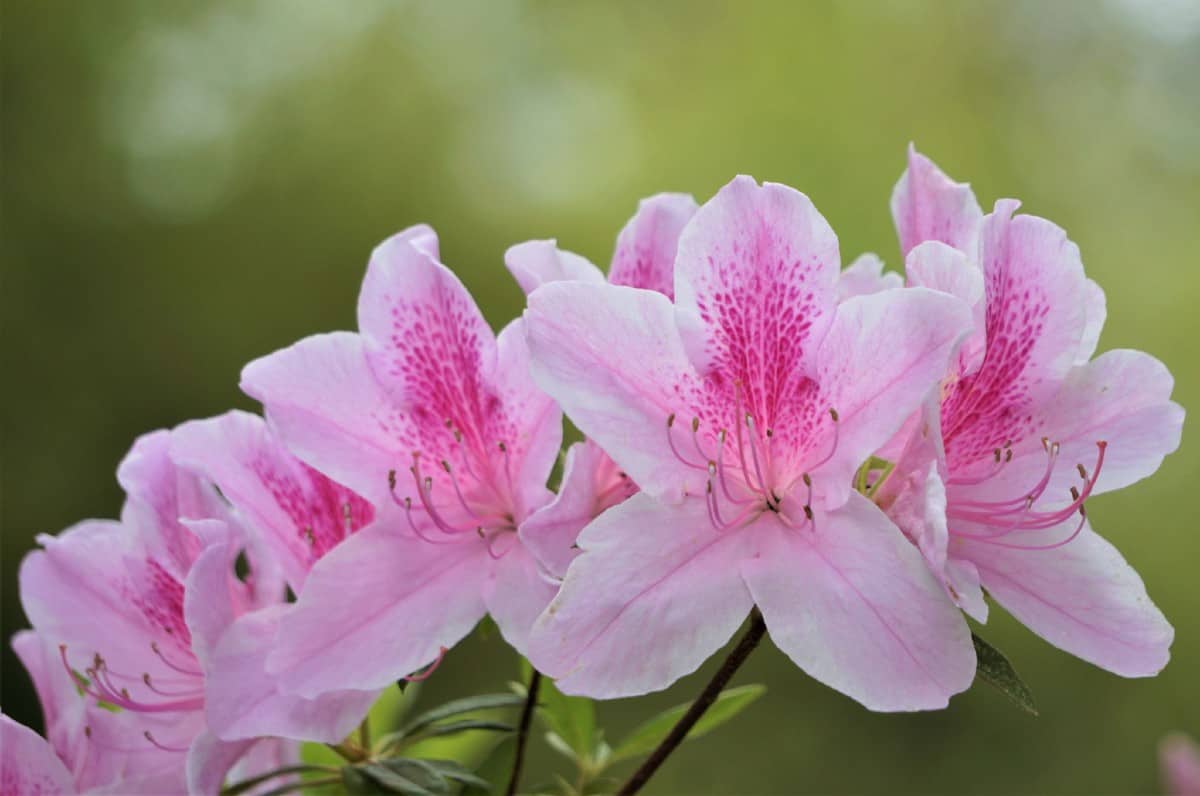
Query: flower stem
(535,680)
(709,695)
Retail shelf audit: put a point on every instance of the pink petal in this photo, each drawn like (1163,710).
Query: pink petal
(425,339)
(1122,398)
(1035,320)
(209,760)
(534,421)
(1179,760)
(613,359)
(928,205)
(755,286)
(28,765)
(1096,309)
(1081,597)
(939,267)
(854,605)
(55,691)
(377,608)
(297,512)
(243,701)
(536,262)
(323,399)
(210,602)
(646,248)
(882,356)
(655,592)
(591,483)
(865,276)
(516,592)
(76,592)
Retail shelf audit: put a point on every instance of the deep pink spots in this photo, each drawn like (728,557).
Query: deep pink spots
(159,596)
(322,512)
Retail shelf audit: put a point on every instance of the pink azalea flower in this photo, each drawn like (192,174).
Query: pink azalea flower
(742,411)
(1026,426)
(644,258)
(298,515)
(1179,759)
(142,609)
(433,420)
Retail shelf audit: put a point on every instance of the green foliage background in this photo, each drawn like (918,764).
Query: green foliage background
(187,186)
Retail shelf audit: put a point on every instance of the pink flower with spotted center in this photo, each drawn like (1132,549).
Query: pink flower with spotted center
(141,613)
(644,257)
(742,410)
(992,478)
(433,421)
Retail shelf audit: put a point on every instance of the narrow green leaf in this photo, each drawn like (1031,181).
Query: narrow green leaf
(573,719)
(457,772)
(647,736)
(393,782)
(464,725)
(995,670)
(358,783)
(459,706)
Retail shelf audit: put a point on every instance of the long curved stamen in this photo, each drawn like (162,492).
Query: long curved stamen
(475,516)
(149,682)
(1002,457)
(489,542)
(412,524)
(721,437)
(170,665)
(424,487)
(674,449)
(762,482)
(150,738)
(425,673)
(833,414)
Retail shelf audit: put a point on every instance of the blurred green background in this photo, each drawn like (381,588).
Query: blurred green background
(187,186)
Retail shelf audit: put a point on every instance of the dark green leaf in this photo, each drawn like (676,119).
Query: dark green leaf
(459,706)
(464,725)
(497,767)
(573,719)
(457,772)
(393,782)
(643,739)
(358,783)
(995,670)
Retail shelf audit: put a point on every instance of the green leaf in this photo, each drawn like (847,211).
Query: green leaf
(647,736)
(456,772)
(460,706)
(466,724)
(394,782)
(573,719)
(995,670)
(358,783)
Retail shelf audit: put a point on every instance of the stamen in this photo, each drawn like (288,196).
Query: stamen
(762,483)
(150,738)
(420,534)
(836,438)
(675,450)
(425,494)
(170,665)
(428,670)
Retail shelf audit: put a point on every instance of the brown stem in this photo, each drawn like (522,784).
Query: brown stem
(703,702)
(523,731)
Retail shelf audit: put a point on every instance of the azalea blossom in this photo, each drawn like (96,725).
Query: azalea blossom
(1179,761)
(644,258)
(742,410)
(991,479)
(434,420)
(140,611)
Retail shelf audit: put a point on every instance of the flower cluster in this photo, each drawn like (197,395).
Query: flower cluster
(857,456)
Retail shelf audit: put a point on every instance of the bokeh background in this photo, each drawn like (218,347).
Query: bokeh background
(187,186)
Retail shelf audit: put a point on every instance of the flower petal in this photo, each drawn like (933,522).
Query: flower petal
(755,286)
(536,262)
(243,701)
(327,407)
(937,266)
(854,605)
(646,248)
(210,603)
(377,608)
(209,760)
(516,592)
(865,276)
(298,513)
(28,765)
(1082,597)
(649,570)
(613,359)
(928,205)
(1096,309)
(591,483)
(883,354)
(534,427)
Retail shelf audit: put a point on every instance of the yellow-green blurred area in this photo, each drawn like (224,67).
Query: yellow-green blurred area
(187,186)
